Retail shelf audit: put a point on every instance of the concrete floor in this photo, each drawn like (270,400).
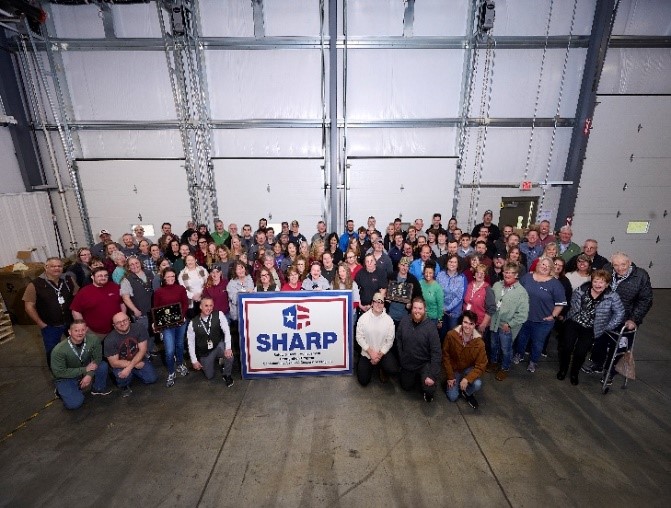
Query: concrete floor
(328,442)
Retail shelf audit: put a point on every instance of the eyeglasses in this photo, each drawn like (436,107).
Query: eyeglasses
(122,321)
(351,257)
(265,275)
(202,241)
(378,301)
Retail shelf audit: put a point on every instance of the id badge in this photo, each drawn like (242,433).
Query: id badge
(468,306)
(61,300)
(209,344)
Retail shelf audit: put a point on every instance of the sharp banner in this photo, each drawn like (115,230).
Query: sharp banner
(298,333)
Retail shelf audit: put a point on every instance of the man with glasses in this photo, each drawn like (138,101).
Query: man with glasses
(47,302)
(97,303)
(125,349)
(375,335)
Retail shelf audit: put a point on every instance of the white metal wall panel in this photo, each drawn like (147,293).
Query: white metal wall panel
(382,17)
(241,143)
(264,84)
(233,18)
(295,18)
(388,84)
(279,190)
(514,17)
(626,178)
(77,21)
(137,20)
(119,85)
(643,17)
(440,18)
(26,223)
(119,192)
(130,144)
(516,74)
(638,71)
(405,188)
(435,142)
(11,180)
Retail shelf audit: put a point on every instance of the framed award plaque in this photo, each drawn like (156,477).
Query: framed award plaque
(167,316)
(399,292)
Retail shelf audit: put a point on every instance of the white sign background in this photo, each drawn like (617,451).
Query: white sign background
(330,315)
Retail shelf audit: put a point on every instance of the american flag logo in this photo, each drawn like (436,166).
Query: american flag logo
(296,317)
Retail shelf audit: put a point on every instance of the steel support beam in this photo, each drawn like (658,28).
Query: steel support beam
(602,26)
(333,115)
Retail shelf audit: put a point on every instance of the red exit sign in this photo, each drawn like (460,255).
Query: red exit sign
(526,185)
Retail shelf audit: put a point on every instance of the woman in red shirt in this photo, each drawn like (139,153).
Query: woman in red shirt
(171,293)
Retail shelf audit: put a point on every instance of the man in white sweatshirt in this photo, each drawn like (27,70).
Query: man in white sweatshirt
(375,334)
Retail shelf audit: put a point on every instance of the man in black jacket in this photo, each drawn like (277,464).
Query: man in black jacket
(419,350)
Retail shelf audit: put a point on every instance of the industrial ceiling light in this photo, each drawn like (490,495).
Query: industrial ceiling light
(487,14)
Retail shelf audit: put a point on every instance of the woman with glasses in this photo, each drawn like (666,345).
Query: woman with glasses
(265,283)
(202,253)
(352,261)
(171,293)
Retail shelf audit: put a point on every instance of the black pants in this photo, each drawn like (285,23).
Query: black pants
(578,340)
(604,348)
(364,369)
(411,378)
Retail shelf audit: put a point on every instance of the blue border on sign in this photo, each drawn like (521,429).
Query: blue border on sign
(298,295)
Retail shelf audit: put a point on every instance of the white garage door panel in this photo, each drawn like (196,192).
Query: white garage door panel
(616,135)
(277,189)
(118,192)
(405,188)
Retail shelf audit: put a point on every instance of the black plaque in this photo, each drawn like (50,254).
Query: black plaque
(399,291)
(167,316)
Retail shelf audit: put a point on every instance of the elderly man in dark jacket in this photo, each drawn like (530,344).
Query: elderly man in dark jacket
(419,350)
(632,284)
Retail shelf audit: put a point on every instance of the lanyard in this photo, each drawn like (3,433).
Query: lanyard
(207,326)
(79,355)
(61,300)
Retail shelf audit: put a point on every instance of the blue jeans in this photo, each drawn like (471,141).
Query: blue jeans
(147,374)
(51,336)
(501,342)
(173,341)
(536,332)
(71,394)
(453,393)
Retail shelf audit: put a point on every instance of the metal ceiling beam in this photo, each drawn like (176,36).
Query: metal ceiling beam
(317,123)
(381,42)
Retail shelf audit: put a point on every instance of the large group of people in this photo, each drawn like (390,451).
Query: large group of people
(474,302)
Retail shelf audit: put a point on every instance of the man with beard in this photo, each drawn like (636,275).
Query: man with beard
(419,351)
(97,303)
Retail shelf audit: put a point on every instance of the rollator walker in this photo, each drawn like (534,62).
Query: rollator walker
(621,343)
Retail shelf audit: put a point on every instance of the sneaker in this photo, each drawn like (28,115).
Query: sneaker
(592,369)
(492,367)
(544,354)
(56,395)
(428,397)
(126,391)
(229,381)
(182,370)
(587,369)
(104,391)
(170,381)
(501,375)
(532,367)
(609,382)
(517,359)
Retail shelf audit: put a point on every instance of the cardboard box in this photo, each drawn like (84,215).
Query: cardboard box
(13,285)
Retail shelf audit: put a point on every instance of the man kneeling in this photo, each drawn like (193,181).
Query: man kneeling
(375,335)
(209,340)
(77,364)
(464,360)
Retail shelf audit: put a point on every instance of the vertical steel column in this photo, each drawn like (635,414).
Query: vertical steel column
(333,116)
(602,26)
(186,68)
